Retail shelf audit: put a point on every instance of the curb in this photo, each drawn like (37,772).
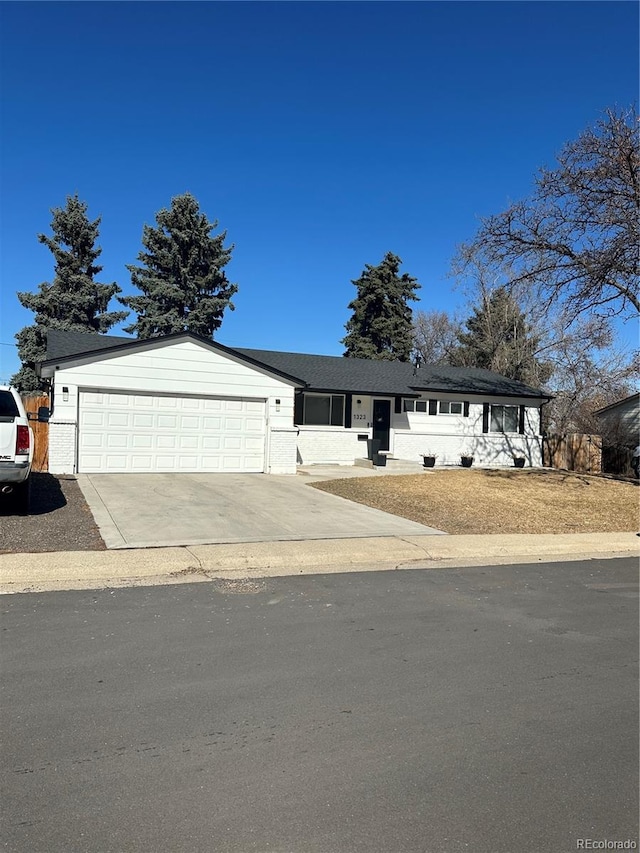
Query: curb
(201,563)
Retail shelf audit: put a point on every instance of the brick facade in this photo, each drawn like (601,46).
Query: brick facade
(62,447)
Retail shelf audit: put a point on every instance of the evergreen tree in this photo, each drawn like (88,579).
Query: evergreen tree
(499,338)
(183,284)
(73,300)
(381,325)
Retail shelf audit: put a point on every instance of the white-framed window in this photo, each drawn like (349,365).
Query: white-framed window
(504,419)
(414,405)
(323,410)
(450,407)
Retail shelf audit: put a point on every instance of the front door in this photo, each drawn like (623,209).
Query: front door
(382,422)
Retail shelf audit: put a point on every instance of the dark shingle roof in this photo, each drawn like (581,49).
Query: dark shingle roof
(363,376)
(62,344)
(332,373)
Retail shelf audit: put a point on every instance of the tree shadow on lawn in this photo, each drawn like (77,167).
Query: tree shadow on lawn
(534,475)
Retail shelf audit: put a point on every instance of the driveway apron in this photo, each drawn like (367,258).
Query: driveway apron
(147,510)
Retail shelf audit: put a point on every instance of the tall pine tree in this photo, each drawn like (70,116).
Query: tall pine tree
(381,326)
(73,300)
(181,278)
(499,338)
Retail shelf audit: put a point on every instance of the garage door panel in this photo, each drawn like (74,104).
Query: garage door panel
(113,462)
(140,420)
(167,422)
(92,397)
(118,419)
(94,441)
(116,400)
(212,463)
(190,422)
(115,441)
(140,441)
(92,419)
(159,433)
(188,442)
(141,463)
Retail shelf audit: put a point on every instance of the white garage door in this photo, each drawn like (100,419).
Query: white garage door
(121,433)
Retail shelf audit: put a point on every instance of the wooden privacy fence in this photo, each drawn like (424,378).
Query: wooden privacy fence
(576,452)
(40,433)
(616,459)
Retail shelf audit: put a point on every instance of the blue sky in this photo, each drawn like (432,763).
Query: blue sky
(319,135)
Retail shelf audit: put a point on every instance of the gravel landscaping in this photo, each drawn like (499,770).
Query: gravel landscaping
(501,501)
(60,519)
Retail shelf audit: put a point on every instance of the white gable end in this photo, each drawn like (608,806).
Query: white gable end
(174,371)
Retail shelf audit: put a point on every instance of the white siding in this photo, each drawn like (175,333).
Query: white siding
(175,368)
(622,421)
(416,433)
(451,436)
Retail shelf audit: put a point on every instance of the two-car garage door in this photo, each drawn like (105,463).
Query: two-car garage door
(130,432)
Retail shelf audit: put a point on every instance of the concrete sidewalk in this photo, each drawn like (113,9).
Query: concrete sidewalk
(100,569)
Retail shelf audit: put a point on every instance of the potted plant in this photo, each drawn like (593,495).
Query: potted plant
(466,461)
(428,459)
(518,461)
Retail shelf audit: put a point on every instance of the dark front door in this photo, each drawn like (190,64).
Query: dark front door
(382,422)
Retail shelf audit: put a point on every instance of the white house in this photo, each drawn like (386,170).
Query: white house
(182,403)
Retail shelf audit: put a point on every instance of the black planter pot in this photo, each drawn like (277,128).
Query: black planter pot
(519,463)
(466,461)
(428,461)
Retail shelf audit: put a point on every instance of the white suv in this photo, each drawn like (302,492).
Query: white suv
(16,450)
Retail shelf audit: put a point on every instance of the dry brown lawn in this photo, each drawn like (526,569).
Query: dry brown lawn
(500,501)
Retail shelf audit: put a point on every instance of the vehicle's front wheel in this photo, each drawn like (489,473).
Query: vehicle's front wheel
(22,497)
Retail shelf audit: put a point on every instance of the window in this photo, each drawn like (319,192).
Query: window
(504,419)
(8,407)
(324,409)
(446,407)
(414,405)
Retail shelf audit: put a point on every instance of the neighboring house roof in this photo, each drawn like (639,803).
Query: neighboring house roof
(322,372)
(612,406)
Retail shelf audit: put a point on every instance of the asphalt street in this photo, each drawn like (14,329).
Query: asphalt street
(491,710)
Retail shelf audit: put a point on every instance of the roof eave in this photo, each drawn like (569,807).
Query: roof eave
(532,395)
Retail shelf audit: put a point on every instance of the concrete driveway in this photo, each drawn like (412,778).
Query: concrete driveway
(147,510)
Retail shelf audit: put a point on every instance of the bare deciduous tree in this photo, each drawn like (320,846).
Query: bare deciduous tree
(576,240)
(435,337)
(589,372)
